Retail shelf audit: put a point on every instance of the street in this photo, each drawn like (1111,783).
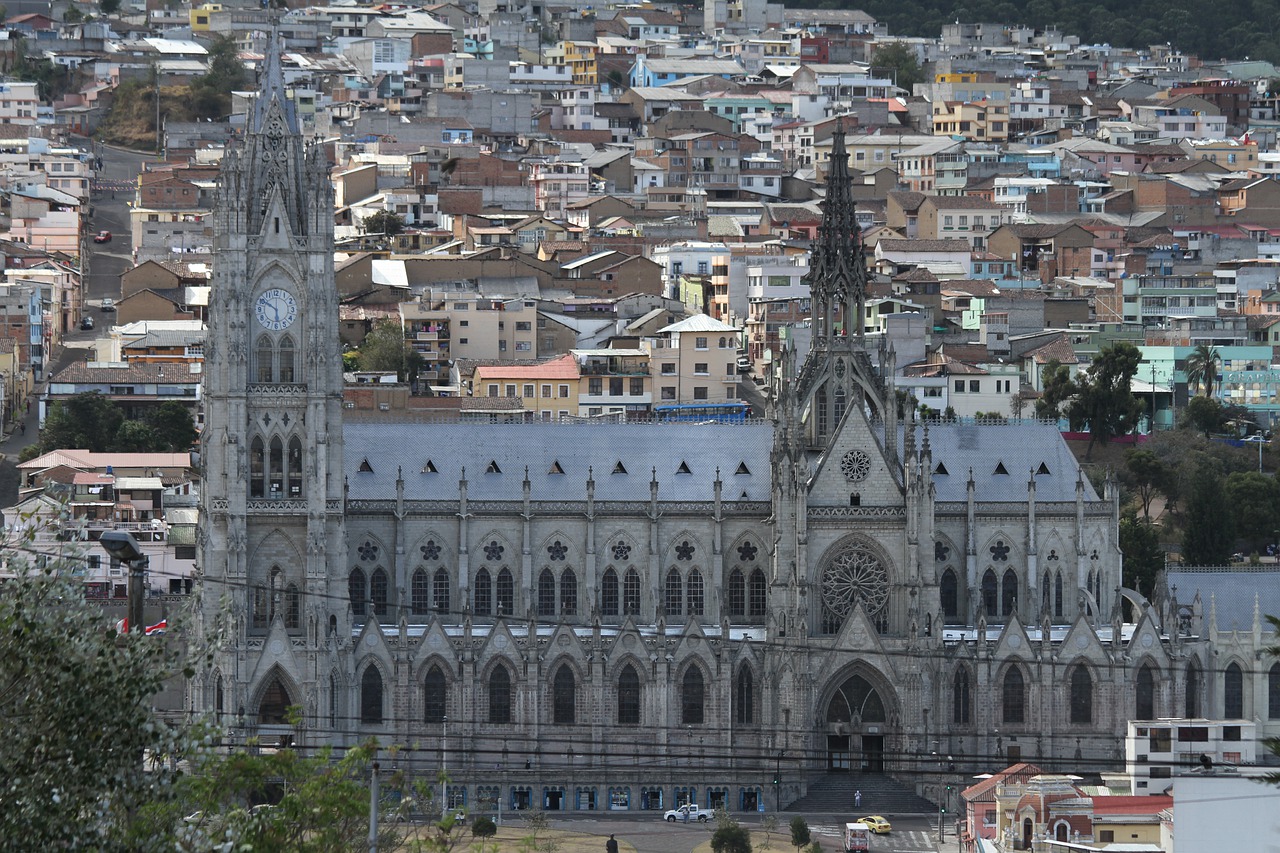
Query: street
(106,262)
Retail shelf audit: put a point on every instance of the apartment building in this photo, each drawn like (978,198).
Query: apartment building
(694,360)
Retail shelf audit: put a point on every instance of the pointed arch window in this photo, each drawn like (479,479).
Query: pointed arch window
(694,597)
(744,697)
(378,591)
(1233,692)
(1193,690)
(609,593)
(1057,595)
(440,590)
(506,589)
(356,591)
(692,690)
(285,362)
(419,593)
(989,593)
(262,358)
(435,696)
(1008,592)
(292,607)
(1273,692)
(569,592)
(1013,697)
(371,696)
(947,589)
(1081,695)
(333,701)
(628,697)
(499,695)
(546,593)
(961,698)
(483,593)
(564,697)
(1146,690)
(736,596)
(757,594)
(276,469)
(257,468)
(631,593)
(295,468)
(261,605)
(673,598)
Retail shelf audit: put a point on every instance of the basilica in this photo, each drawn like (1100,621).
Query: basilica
(630,616)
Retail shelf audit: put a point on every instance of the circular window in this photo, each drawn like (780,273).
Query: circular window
(855,465)
(855,575)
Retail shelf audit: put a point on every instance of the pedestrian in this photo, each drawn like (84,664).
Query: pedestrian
(611,846)
(857,799)
(23,427)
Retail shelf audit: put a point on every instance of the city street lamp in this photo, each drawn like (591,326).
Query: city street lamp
(123,548)
(1257,439)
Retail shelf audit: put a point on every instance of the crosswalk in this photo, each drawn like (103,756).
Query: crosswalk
(898,841)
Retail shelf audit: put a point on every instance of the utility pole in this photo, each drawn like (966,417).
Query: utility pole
(373,808)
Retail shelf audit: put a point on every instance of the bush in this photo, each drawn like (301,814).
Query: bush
(483,827)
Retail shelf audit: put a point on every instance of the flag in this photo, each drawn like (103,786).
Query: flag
(158,628)
(122,627)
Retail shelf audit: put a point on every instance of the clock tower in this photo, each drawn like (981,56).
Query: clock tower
(272,439)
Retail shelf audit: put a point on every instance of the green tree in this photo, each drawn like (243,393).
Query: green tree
(385,348)
(76,699)
(211,92)
(1143,556)
(1058,389)
(1205,415)
(386,222)
(1202,368)
(1209,535)
(1103,402)
(731,838)
(901,62)
(109,7)
(87,421)
(1255,505)
(799,832)
(136,437)
(1147,476)
(174,426)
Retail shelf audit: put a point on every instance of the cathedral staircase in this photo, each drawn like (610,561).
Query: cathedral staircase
(833,793)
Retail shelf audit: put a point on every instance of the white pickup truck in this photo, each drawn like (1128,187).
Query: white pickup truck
(688,813)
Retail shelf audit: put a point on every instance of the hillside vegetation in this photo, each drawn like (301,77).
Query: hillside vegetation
(1226,30)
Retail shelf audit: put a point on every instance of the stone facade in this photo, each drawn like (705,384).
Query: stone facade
(631,616)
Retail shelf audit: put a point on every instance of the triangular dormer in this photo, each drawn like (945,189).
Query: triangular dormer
(1000,469)
(365,467)
(742,469)
(619,468)
(941,470)
(555,468)
(493,467)
(1043,469)
(430,468)
(684,468)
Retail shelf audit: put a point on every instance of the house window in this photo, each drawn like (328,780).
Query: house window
(699,343)
(700,393)
(609,593)
(701,369)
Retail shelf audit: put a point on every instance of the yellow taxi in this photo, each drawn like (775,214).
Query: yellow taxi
(876,824)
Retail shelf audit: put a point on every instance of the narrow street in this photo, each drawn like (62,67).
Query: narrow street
(106,262)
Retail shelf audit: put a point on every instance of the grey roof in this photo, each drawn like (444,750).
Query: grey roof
(1020,447)
(1230,592)
(640,448)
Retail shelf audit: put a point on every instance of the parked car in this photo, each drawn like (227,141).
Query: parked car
(86,323)
(108,304)
(688,813)
(744,364)
(102,237)
(876,824)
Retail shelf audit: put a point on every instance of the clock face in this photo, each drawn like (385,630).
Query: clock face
(276,309)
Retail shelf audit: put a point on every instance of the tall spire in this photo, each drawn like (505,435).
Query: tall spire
(271,90)
(838,269)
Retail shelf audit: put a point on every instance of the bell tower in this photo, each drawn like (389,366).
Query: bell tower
(272,442)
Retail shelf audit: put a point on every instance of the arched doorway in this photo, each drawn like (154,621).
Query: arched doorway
(274,706)
(857,716)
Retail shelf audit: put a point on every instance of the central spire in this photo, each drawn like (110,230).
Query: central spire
(271,89)
(838,270)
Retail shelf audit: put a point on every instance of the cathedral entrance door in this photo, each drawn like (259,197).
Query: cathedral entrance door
(838,752)
(873,753)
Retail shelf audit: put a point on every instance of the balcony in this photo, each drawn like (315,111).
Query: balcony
(613,369)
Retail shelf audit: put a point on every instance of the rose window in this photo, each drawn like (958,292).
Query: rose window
(855,465)
(855,576)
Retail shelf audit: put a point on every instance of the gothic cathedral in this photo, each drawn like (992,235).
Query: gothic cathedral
(628,616)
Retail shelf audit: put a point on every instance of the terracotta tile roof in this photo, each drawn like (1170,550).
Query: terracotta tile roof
(1127,805)
(1059,350)
(985,791)
(76,372)
(893,245)
(560,367)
